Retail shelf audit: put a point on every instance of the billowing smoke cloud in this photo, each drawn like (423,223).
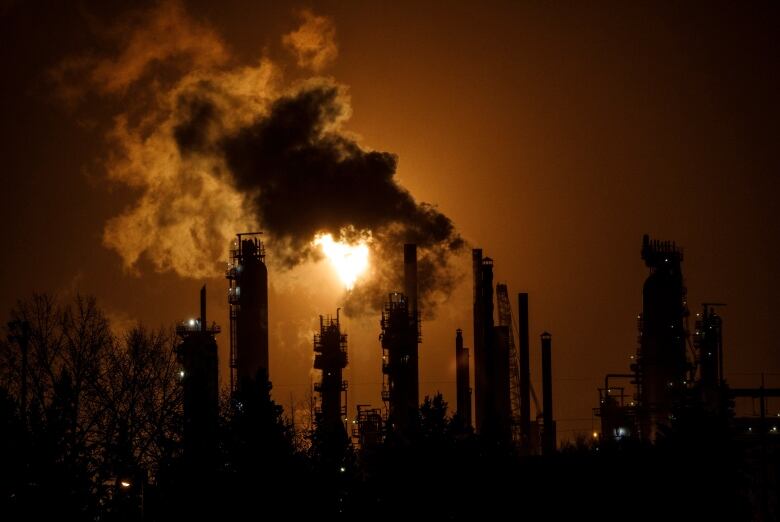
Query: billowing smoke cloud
(307,176)
(314,42)
(164,34)
(222,148)
(188,209)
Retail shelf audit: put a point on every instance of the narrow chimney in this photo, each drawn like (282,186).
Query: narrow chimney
(549,439)
(463,391)
(410,277)
(410,289)
(479,339)
(203,309)
(525,371)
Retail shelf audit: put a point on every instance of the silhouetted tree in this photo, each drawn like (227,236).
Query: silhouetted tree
(261,463)
(94,410)
(434,423)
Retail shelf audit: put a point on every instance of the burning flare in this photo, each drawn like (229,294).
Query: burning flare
(349,260)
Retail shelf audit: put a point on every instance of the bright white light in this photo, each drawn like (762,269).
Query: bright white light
(343,469)
(124,484)
(192,322)
(349,259)
(181,374)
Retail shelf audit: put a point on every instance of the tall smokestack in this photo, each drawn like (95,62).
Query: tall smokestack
(525,370)
(203,309)
(463,390)
(548,435)
(410,288)
(479,336)
(484,344)
(410,276)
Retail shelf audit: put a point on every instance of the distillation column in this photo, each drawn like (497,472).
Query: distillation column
(247,275)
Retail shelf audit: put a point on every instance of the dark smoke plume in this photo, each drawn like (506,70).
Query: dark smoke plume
(213,146)
(305,176)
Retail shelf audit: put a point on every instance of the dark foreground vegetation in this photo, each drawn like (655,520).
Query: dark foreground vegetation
(96,434)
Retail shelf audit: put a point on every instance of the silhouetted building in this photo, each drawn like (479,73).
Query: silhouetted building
(367,427)
(462,384)
(661,364)
(199,376)
(330,348)
(617,408)
(248,300)
(663,375)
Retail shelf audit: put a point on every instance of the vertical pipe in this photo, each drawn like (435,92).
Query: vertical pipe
(525,370)
(548,442)
(486,388)
(479,336)
(410,288)
(463,395)
(459,398)
(467,385)
(203,309)
(410,277)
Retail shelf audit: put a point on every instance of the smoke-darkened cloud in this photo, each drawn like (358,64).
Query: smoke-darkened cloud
(164,34)
(225,147)
(307,176)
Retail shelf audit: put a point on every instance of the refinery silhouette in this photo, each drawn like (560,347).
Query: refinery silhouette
(669,443)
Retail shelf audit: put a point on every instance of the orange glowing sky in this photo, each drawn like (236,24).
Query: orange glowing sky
(553,136)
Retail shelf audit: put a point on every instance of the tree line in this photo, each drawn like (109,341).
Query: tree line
(91,429)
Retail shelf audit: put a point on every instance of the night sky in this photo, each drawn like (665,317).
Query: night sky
(551,136)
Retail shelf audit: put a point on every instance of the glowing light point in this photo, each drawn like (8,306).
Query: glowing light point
(349,260)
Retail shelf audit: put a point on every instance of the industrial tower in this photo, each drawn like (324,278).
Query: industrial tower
(400,338)
(661,365)
(330,349)
(248,300)
(491,359)
(199,374)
